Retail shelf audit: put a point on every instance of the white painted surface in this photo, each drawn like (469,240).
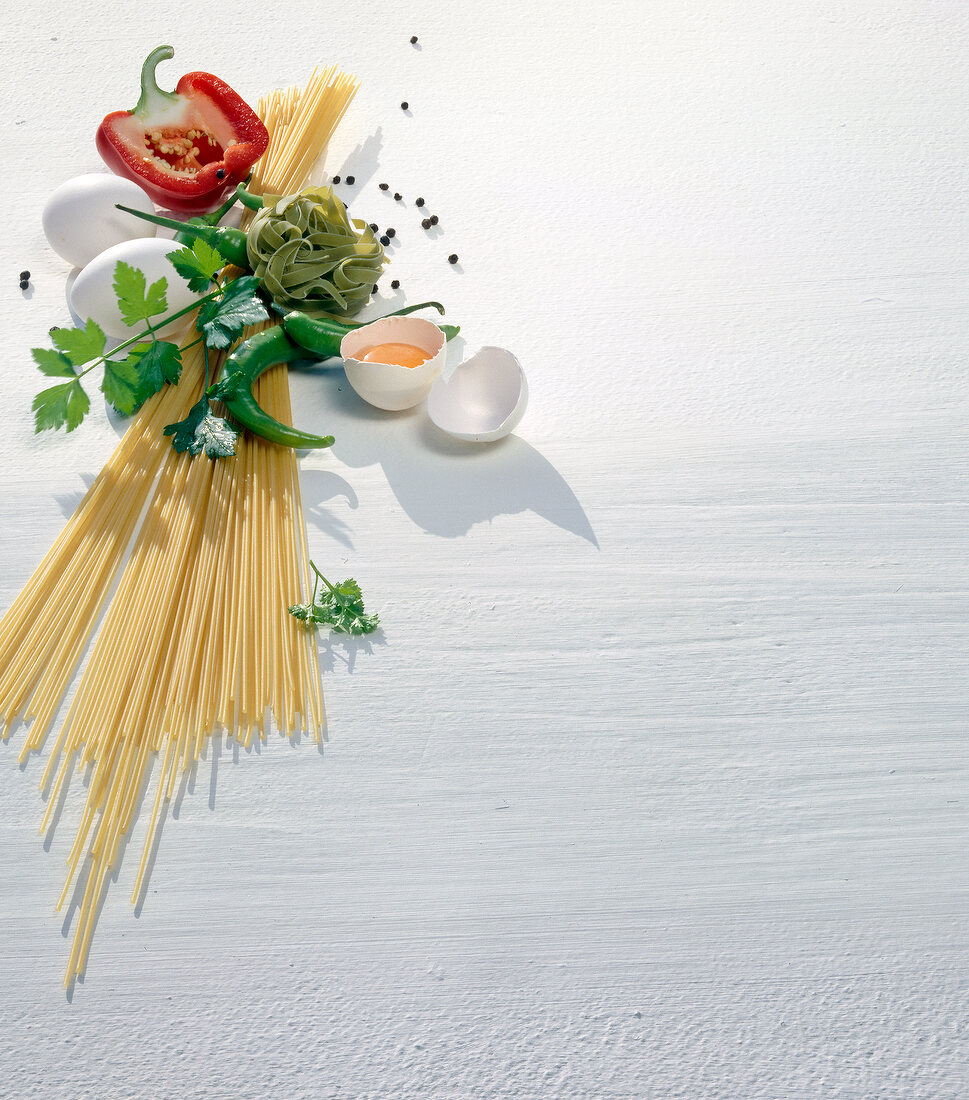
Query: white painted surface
(655,785)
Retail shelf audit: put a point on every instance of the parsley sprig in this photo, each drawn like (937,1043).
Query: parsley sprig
(338,606)
(139,367)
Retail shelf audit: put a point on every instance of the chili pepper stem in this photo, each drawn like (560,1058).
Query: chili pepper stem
(229,242)
(217,215)
(168,223)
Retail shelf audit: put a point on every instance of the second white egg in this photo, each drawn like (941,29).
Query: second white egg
(93,295)
(81,219)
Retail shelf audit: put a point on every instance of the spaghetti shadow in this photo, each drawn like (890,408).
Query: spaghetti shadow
(361,163)
(70,502)
(82,882)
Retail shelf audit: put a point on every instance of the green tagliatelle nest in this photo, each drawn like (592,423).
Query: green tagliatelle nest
(309,255)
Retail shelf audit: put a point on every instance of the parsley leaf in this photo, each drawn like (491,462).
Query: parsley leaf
(340,607)
(80,345)
(198,264)
(216,436)
(53,363)
(201,430)
(121,385)
(184,430)
(61,405)
(156,362)
(222,319)
(135,301)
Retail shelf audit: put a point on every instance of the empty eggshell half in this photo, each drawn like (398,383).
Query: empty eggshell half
(387,385)
(483,400)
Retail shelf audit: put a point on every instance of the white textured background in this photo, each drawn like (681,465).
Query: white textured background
(655,784)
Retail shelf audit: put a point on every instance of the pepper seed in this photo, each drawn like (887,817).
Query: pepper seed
(397,195)
(433,219)
(24,283)
(413,39)
(425,223)
(418,202)
(373,226)
(351,180)
(395,284)
(404,105)
(24,274)
(453,258)
(336,179)
(384,186)
(391,232)
(385,239)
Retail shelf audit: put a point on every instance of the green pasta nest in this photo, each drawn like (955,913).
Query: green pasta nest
(309,255)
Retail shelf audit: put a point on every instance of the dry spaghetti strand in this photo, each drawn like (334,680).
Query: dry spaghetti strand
(206,557)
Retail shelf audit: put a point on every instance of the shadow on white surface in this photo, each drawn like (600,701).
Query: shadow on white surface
(361,164)
(319,486)
(445,485)
(82,883)
(70,502)
(342,649)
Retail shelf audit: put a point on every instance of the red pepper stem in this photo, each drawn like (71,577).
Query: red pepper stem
(152,97)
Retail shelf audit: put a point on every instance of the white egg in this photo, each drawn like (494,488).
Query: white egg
(388,385)
(80,219)
(93,296)
(484,398)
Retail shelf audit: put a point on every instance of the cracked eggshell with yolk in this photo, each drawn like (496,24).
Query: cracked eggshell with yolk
(483,400)
(387,385)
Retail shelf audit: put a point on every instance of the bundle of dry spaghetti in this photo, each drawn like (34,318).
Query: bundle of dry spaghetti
(196,638)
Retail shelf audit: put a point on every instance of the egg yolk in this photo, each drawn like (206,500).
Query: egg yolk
(400,355)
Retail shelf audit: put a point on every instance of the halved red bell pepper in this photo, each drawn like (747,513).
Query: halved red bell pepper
(188,148)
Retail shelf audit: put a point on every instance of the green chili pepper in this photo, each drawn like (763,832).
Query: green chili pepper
(254,202)
(323,337)
(231,243)
(250,359)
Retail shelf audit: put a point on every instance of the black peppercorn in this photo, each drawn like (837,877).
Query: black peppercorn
(434,219)
(453,258)
(373,289)
(385,239)
(373,226)
(336,179)
(426,223)
(24,283)
(418,202)
(384,186)
(397,195)
(391,232)
(220,173)
(351,180)
(395,284)
(413,39)
(24,274)
(404,105)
